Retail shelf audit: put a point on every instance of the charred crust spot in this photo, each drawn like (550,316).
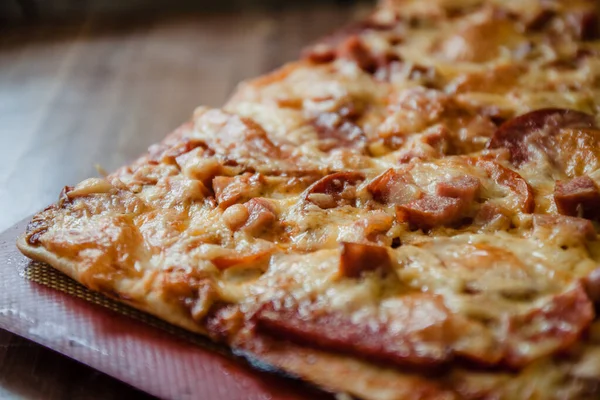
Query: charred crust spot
(35,229)
(34,238)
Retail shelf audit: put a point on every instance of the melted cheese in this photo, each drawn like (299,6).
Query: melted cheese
(401,110)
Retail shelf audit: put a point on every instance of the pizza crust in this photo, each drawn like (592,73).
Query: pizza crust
(126,294)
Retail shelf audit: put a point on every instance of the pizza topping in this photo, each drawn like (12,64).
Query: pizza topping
(261,215)
(431,144)
(414,332)
(169,154)
(374,226)
(548,329)
(394,187)
(353,49)
(578,197)
(207,296)
(230,190)
(235,216)
(320,53)
(190,289)
(236,136)
(480,40)
(245,258)
(357,258)
(492,217)
(242,142)
(413,110)
(35,229)
(465,188)
(431,211)
(224,322)
(592,285)
(584,23)
(346,204)
(540,19)
(505,290)
(575,151)
(523,134)
(335,190)
(415,329)
(88,187)
(450,204)
(334,130)
(573,228)
(512,180)
(437,120)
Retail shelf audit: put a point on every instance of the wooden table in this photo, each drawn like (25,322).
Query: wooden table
(77,94)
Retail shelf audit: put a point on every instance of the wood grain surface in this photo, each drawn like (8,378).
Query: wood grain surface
(98,91)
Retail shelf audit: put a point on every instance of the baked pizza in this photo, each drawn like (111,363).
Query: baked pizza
(407,212)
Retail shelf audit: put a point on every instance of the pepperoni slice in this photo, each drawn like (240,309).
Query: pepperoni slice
(549,329)
(357,258)
(465,188)
(409,337)
(425,211)
(518,134)
(431,211)
(511,179)
(578,197)
(393,187)
(335,190)
(415,330)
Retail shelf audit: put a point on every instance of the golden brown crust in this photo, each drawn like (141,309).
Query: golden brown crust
(147,304)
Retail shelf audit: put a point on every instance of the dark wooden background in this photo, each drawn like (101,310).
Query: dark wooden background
(99,88)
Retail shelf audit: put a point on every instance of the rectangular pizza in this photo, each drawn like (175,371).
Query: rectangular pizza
(409,211)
